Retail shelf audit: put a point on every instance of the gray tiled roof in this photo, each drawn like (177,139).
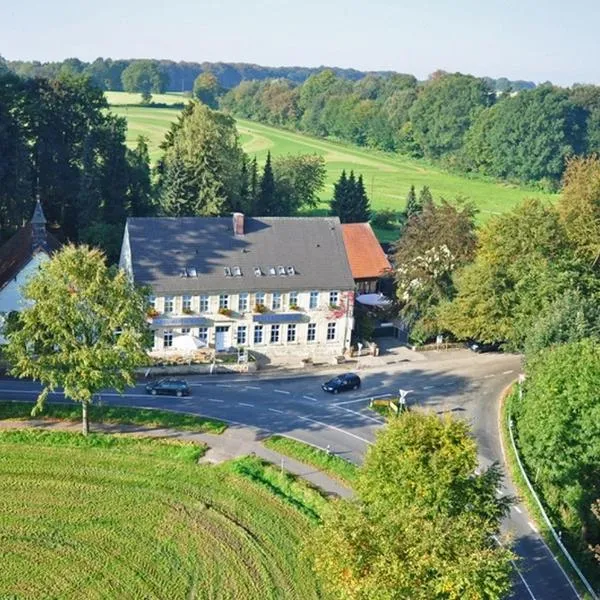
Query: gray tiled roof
(161,248)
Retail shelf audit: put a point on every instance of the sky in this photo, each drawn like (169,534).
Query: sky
(537,40)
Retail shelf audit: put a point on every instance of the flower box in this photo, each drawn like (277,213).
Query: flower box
(260,308)
(226,312)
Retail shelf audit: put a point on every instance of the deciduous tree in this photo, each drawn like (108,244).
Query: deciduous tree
(84,329)
(423,523)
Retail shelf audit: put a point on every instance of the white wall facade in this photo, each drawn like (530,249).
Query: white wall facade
(11,295)
(322,333)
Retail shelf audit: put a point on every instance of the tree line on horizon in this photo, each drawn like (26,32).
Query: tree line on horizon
(457,120)
(179,76)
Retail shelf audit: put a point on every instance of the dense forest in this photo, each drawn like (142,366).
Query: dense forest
(180,76)
(458,120)
(59,142)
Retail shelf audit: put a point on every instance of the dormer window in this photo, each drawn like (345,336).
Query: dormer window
(281,270)
(257,271)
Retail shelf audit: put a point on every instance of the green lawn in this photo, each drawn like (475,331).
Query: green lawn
(147,417)
(387,177)
(331,464)
(119,517)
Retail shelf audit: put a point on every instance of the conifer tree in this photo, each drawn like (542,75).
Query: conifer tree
(425,196)
(340,195)
(413,205)
(266,194)
(244,203)
(253,187)
(361,212)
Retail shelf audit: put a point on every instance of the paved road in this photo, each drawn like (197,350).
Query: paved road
(463,384)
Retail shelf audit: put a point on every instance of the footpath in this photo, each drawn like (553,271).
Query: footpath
(235,441)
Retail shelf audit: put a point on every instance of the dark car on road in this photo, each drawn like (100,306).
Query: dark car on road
(341,383)
(480,347)
(168,387)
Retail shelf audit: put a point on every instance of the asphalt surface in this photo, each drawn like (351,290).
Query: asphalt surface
(461,383)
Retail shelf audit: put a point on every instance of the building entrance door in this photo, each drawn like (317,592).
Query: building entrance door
(222,338)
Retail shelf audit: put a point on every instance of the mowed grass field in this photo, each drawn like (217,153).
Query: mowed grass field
(122,517)
(387,177)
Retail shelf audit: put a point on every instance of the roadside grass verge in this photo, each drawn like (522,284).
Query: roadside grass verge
(333,465)
(155,447)
(124,415)
(284,485)
(125,517)
(514,472)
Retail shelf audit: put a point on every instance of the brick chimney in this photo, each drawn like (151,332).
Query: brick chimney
(38,226)
(238,223)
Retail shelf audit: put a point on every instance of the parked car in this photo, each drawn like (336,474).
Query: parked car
(168,387)
(347,381)
(480,347)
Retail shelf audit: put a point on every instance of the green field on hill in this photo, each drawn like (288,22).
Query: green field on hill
(387,177)
(122,517)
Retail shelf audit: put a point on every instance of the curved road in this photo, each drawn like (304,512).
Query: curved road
(460,383)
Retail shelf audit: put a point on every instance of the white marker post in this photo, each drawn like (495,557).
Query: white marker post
(360,347)
(402,398)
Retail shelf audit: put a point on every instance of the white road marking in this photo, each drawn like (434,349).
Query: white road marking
(282,392)
(507,372)
(196,384)
(310,398)
(354,412)
(514,564)
(275,410)
(518,510)
(488,376)
(427,387)
(223,385)
(215,400)
(246,404)
(532,526)
(335,429)
(251,387)
(364,399)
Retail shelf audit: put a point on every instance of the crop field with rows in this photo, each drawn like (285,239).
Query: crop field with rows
(124,517)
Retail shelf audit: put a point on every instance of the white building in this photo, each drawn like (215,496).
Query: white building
(20,257)
(280,287)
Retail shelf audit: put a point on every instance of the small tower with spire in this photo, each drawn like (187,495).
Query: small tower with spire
(38,226)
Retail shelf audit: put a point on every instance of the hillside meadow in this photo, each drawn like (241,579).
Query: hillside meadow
(387,177)
(126,517)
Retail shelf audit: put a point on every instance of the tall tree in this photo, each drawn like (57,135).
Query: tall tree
(145,77)
(362,206)
(340,196)
(423,522)
(434,243)
(207,89)
(267,201)
(444,111)
(523,263)
(199,173)
(558,428)
(253,186)
(83,329)
(139,194)
(413,206)
(425,195)
(579,206)
(298,180)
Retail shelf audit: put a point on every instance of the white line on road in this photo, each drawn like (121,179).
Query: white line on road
(282,392)
(488,376)
(514,564)
(362,399)
(427,387)
(251,387)
(196,384)
(518,510)
(335,429)
(215,400)
(246,404)
(310,398)
(223,385)
(532,526)
(354,412)
(507,372)
(275,410)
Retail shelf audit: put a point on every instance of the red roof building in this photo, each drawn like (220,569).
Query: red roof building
(367,259)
